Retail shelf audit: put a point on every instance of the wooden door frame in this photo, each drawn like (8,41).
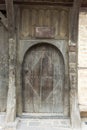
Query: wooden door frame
(24,45)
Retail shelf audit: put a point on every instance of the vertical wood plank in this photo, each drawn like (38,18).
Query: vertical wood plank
(3,68)
(74,20)
(75,115)
(63,24)
(18,66)
(11,100)
(30,23)
(47,18)
(25,23)
(37,79)
(74,110)
(55,18)
(47,80)
(27,80)
(41,17)
(10,16)
(34,21)
(58,83)
(43,80)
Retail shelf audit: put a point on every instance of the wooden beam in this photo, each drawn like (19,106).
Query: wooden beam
(11,100)
(3,20)
(66,4)
(74,20)
(10,16)
(44,3)
(74,105)
(40,3)
(74,110)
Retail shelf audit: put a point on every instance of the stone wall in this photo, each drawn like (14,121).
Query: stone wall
(3,68)
(82,61)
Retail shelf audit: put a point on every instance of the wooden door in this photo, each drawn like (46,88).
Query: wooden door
(43,80)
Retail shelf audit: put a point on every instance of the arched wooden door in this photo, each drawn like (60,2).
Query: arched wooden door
(43,80)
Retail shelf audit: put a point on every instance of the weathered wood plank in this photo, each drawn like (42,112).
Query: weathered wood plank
(47,20)
(41,17)
(3,68)
(63,23)
(74,20)
(25,23)
(55,22)
(46,17)
(11,100)
(74,107)
(47,80)
(75,113)
(10,16)
(43,80)
(3,20)
(34,21)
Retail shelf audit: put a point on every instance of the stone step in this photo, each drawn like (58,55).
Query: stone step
(40,124)
(44,124)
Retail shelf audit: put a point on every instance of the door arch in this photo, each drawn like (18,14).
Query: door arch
(43,74)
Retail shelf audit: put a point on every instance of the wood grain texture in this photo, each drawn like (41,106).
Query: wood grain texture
(74,108)
(63,24)
(25,23)
(33,17)
(11,99)
(3,20)
(3,68)
(10,17)
(43,80)
(75,20)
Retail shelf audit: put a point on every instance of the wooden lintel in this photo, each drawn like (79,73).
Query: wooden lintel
(3,20)
(40,3)
(10,17)
(74,20)
(66,4)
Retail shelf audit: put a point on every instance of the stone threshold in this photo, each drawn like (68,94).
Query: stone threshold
(38,124)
